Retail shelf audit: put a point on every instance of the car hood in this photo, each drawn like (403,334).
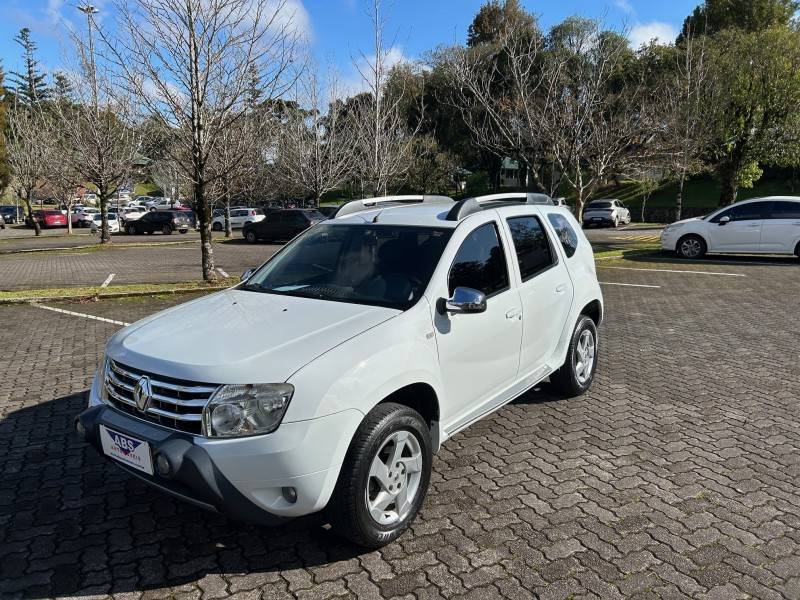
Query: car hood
(685,221)
(236,336)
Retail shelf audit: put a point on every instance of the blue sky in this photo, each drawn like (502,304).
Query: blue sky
(338,29)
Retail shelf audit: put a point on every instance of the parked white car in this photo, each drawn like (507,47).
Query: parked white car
(131,213)
(83,216)
(331,375)
(768,225)
(239,217)
(162,204)
(113,223)
(606,212)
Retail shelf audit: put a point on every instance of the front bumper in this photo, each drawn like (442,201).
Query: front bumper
(241,477)
(669,239)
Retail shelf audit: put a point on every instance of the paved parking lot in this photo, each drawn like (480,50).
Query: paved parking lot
(675,477)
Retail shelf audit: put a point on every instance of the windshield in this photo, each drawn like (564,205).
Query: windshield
(381,265)
(600,205)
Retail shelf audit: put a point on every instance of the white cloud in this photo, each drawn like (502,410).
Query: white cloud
(624,5)
(643,33)
(294,15)
(354,83)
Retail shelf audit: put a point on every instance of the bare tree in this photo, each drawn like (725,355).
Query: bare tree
(384,139)
(315,148)
(190,65)
(498,90)
(687,97)
(99,129)
(62,177)
(27,143)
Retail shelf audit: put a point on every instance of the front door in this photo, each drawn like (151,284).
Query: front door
(478,352)
(742,233)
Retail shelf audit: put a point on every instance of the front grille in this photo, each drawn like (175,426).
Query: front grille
(174,403)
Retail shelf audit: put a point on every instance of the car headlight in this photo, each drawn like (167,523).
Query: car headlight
(105,366)
(242,410)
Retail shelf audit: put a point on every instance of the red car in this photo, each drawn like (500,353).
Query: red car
(48,218)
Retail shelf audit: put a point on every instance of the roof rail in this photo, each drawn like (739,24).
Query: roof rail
(469,206)
(357,206)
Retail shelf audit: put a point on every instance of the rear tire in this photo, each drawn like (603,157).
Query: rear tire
(384,477)
(166,230)
(130,229)
(691,246)
(576,375)
(251,237)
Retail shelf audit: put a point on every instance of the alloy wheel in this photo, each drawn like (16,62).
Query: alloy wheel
(584,356)
(394,477)
(691,248)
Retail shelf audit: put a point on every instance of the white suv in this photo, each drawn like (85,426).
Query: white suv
(768,225)
(606,212)
(330,376)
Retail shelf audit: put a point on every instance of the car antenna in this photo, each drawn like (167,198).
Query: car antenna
(375,219)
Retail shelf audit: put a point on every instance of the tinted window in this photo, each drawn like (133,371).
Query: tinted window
(480,262)
(293,218)
(532,246)
(566,234)
(599,205)
(383,265)
(752,211)
(785,210)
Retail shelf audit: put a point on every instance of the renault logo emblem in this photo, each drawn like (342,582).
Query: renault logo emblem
(142,393)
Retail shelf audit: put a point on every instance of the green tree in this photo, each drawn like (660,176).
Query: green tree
(5,168)
(756,112)
(749,15)
(30,84)
(495,19)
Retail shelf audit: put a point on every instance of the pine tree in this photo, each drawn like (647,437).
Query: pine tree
(31,84)
(5,168)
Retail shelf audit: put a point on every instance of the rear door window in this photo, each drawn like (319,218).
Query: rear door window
(782,209)
(534,252)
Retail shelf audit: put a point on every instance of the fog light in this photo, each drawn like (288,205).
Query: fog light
(162,465)
(289,494)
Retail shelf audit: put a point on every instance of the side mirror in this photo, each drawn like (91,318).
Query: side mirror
(247,274)
(725,220)
(465,300)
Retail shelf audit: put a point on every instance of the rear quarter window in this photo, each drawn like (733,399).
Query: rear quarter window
(565,232)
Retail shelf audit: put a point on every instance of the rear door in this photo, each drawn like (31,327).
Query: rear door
(545,287)
(742,233)
(780,231)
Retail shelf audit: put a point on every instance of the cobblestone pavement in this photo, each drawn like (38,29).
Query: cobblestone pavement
(675,477)
(148,264)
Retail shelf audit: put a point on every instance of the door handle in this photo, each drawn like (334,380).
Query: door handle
(561,288)
(755,225)
(514,313)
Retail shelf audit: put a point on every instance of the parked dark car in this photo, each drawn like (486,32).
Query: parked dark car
(12,214)
(329,211)
(190,215)
(2,222)
(281,225)
(165,221)
(47,218)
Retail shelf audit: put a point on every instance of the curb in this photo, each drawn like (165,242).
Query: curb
(92,246)
(37,299)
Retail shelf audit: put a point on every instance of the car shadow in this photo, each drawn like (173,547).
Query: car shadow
(665,257)
(71,523)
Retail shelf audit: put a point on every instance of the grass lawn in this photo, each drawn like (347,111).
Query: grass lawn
(115,290)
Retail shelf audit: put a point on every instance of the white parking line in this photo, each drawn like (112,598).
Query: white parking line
(223,273)
(77,314)
(674,271)
(655,287)
(108,280)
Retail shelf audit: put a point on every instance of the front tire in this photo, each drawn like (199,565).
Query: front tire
(217,227)
(576,375)
(166,230)
(691,246)
(384,477)
(251,237)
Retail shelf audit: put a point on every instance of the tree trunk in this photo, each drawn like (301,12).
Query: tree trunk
(226,195)
(728,177)
(37,229)
(69,218)
(105,235)
(679,197)
(207,252)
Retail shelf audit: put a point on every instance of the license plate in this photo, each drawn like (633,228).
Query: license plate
(126,449)
(597,218)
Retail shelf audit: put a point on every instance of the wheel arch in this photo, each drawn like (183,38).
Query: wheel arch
(422,398)
(594,310)
(691,234)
